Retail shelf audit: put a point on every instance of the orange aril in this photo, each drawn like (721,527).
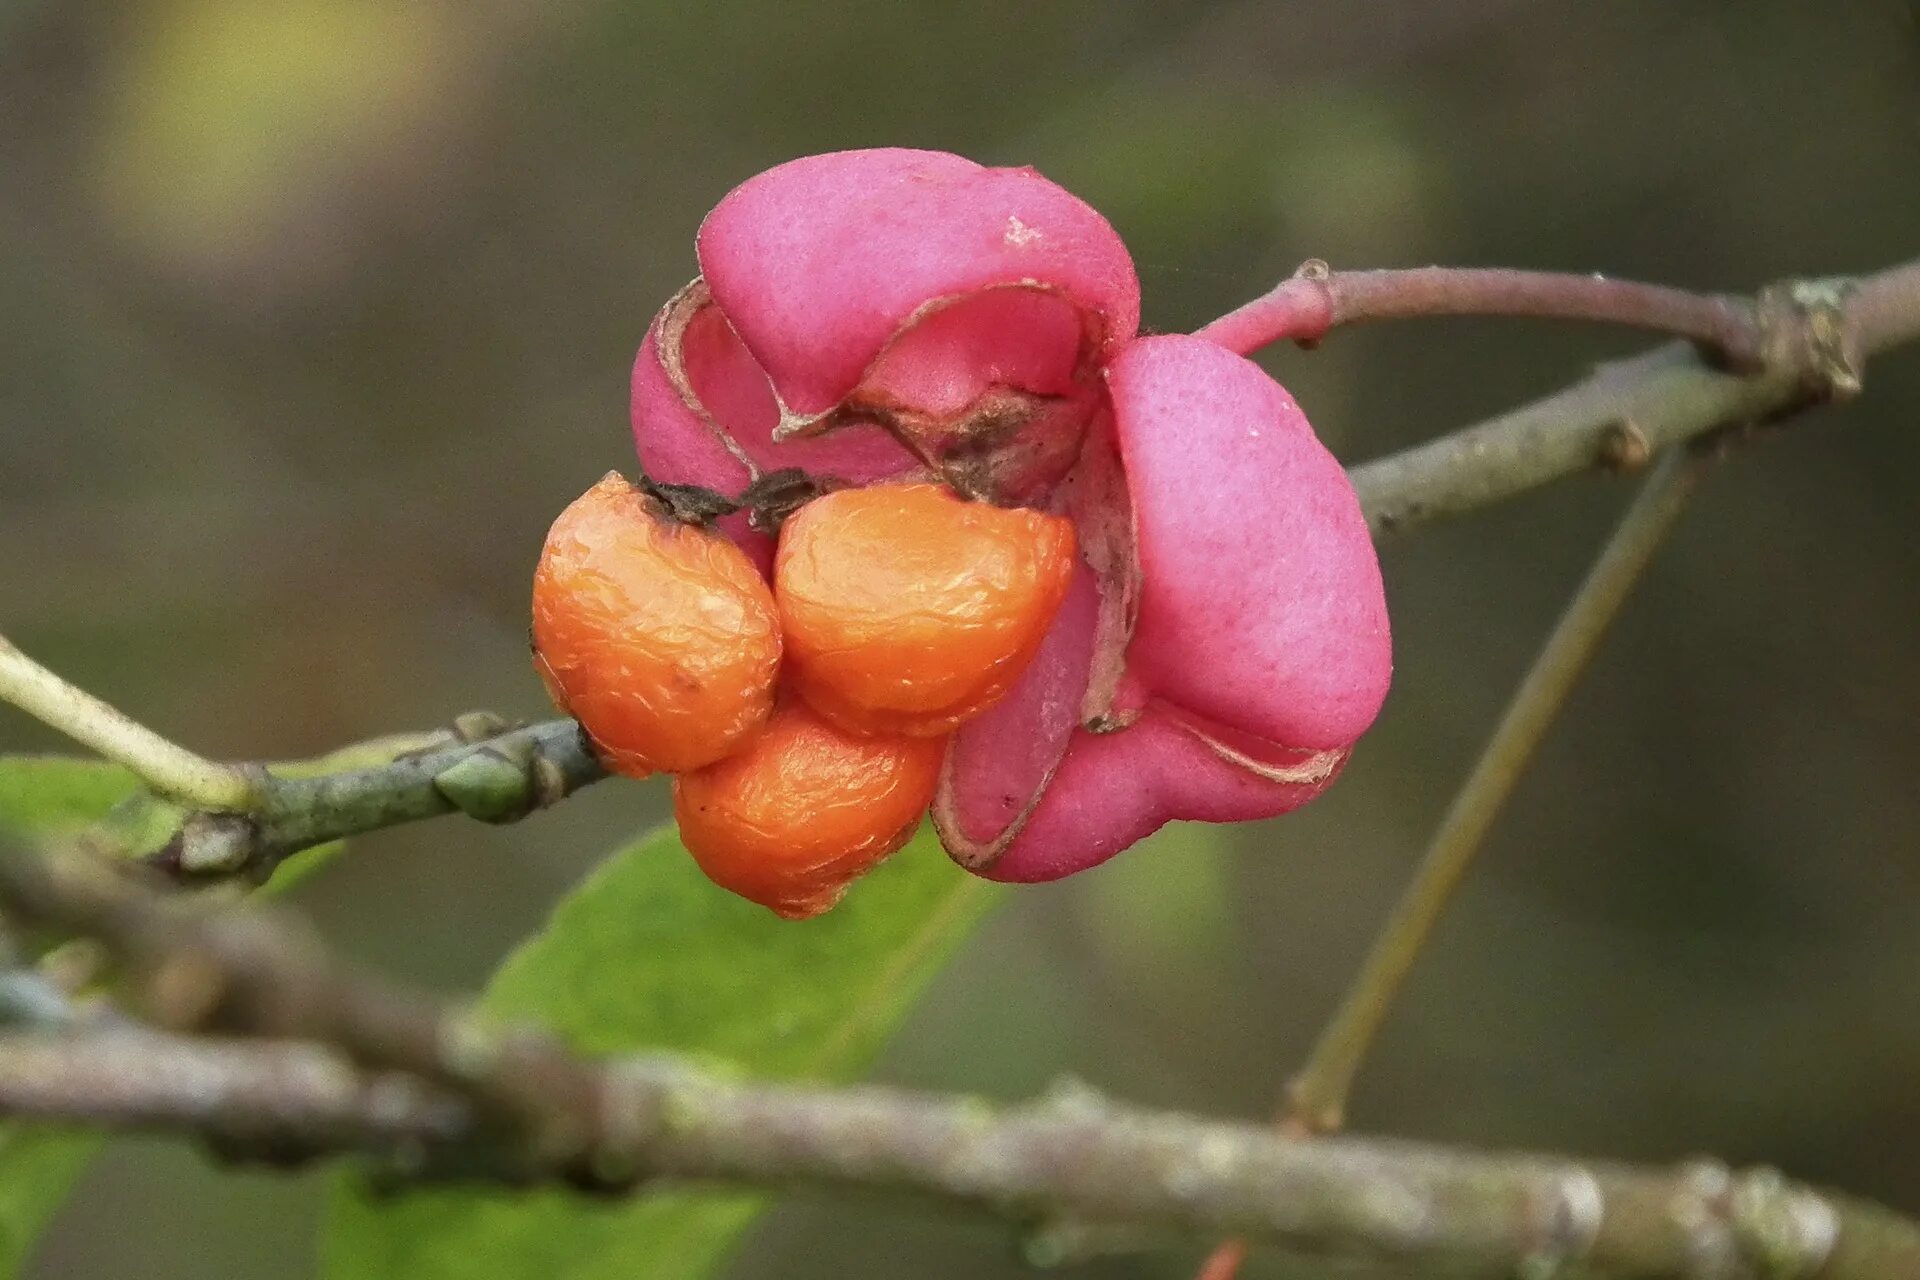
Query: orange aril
(659,636)
(804,809)
(907,609)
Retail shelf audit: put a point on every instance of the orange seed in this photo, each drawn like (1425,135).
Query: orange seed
(660,637)
(804,809)
(907,609)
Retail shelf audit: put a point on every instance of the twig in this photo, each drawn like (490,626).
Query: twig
(1809,338)
(1317,1095)
(1815,336)
(169,769)
(284,1102)
(245,820)
(252,973)
(1317,299)
(492,776)
(1886,307)
(1072,1153)
(538,1112)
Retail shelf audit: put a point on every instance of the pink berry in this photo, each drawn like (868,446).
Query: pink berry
(822,262)
(879,315)
(1261,650)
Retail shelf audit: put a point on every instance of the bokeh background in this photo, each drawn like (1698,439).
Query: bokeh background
(314,312)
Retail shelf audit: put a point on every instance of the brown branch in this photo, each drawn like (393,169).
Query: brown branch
(1806,341)
(1886,307)
(1317,299)
(1315,1099)
(251,973)
(1815,337)
(514,1106)
(1071,1154)
(284,1102)
(1317,1096)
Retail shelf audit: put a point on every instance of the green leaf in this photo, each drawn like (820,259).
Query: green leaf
(43,796)
(47,797)
(38,1167)
(648,955)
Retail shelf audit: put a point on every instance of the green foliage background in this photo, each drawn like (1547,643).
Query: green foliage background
(313,313)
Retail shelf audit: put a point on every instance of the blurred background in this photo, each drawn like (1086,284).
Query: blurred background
(313,313)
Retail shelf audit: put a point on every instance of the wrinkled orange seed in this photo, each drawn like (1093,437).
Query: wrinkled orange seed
(804,809)
(906,609)
(659,637)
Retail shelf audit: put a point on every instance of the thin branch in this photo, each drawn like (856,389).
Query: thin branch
(1809,340)
(1814,335)
(1886,307)
(1623,414)
(253,973)
(515,1106)
(492,776)
(1317,1096)
(247,819)
(1317,299)
(169,769)
(1072,1154)
(284,1102)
